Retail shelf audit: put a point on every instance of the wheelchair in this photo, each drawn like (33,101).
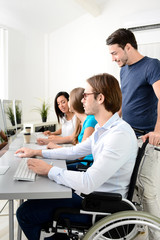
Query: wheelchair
(112,216)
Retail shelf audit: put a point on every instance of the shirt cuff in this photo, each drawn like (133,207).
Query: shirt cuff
(44,153)
(54,172)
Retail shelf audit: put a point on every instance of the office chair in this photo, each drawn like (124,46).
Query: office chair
(98,205)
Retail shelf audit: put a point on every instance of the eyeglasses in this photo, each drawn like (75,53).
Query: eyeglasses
(87,94)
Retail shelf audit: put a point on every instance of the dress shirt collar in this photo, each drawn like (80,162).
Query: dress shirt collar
(109,124)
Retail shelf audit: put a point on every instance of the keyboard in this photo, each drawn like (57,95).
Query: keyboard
(23,173)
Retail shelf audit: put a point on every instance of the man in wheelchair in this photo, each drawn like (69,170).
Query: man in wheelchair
(114,149)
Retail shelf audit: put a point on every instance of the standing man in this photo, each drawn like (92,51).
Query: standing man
(113,145)
(140,85)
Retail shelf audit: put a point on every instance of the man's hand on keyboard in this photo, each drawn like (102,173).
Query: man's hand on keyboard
(39,166)
(27,152)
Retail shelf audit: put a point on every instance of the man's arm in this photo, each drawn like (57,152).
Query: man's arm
(154,137)
(156,87)
(69,153)
(27,152)
(59,139)
(110,158)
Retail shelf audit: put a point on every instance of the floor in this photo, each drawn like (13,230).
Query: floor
(4,230)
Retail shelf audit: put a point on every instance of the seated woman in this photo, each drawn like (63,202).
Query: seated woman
(3,139)
(85,123)
(65,117)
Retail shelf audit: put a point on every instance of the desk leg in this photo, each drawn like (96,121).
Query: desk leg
(19,232)
(11,219)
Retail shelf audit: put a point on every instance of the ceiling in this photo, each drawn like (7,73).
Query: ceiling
(48,15)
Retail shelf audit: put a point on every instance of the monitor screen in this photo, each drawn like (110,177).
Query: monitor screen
(2,125)
(3,135)
(18,113)
(9,117)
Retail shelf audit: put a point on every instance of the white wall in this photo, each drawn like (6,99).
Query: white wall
(40,66)
(26,70)
(78,50)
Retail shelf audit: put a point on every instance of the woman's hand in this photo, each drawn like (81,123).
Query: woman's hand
(42,141)
(47,133)
(52,145)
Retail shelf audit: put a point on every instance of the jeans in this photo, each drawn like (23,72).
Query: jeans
(32,214)
(148,183)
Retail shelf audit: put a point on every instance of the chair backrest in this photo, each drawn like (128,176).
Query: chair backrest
(133,180)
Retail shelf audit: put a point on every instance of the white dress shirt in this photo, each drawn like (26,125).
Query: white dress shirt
(114,148)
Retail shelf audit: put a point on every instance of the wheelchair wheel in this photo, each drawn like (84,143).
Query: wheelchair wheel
(126,225)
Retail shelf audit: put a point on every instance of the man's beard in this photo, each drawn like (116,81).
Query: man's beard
(124,60)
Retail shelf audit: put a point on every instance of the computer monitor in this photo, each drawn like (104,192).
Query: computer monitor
(9,117)
(17,104)
(2,124)
(3,135)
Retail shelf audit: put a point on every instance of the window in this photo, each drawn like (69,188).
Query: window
(3,63)
(150,50)
(149,42)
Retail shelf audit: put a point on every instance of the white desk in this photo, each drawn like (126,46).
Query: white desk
(41,188)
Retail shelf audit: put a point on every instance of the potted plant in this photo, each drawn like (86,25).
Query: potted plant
(18,114)
(43,110)
(10,115)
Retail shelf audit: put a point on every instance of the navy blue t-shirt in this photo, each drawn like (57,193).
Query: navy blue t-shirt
(139,102)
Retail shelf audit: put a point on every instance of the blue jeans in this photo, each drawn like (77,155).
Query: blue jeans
(32,214)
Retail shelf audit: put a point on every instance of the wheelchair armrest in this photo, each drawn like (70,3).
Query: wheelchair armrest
(78,161)
(101,201)
(103,195)
(90,202)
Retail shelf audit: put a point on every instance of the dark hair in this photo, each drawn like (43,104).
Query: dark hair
(109,87)
(121,37)
(75,98)
(59,113)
